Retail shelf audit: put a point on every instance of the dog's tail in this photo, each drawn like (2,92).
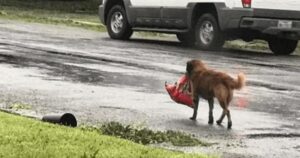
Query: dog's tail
(240,81)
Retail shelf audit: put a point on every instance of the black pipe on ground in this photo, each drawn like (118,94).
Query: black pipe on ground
(66,119)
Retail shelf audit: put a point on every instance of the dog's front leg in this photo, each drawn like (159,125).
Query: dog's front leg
(196,104)
(211,107)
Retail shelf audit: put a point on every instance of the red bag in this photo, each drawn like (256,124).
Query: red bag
(179,92)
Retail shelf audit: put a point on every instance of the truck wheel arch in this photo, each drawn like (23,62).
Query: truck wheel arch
(110,3)
(198,9)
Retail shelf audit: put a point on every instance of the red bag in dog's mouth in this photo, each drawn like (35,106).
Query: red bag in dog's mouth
(181,91)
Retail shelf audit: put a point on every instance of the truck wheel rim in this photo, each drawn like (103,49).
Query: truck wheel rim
(117,22)
(206,32)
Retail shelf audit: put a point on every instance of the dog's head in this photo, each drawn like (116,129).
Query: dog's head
(193,66)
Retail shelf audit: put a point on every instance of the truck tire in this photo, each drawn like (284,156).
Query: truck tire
(188,39)
(280,46)
(208,34)
(117,23)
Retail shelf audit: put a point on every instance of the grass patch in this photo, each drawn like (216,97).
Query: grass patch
(253,45)
(239,44)
(18,106)
(147,136)
(87,21)
(70,6)
(78,13)
(24,137)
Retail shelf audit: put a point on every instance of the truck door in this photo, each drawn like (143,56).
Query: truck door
(145,13)
(174,14)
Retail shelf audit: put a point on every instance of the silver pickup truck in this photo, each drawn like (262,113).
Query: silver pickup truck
(207,23)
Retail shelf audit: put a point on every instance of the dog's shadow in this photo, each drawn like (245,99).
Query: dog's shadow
(201,127)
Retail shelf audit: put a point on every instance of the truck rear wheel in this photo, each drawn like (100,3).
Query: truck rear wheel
(208,33)
(280,46)
(117,23)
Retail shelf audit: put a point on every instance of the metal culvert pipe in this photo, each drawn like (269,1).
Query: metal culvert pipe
(66,119)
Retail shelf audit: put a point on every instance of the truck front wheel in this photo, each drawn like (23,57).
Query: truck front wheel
(208,33)
(280,46)
(117,23)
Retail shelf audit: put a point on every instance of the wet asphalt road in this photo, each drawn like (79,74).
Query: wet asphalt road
(61,69)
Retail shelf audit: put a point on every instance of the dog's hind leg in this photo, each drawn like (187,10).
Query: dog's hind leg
(229,119)
(229,98)
(227,113)
(219,121)
(211,107)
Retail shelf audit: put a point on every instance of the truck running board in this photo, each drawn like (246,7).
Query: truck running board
(171,31)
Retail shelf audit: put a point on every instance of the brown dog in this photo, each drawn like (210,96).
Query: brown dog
(209,84)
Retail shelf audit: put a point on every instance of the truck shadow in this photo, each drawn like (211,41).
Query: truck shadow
(224,51)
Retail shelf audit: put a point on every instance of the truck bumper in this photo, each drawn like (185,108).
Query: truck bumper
(101,13)
(272,27)
(230,18)
(265,21)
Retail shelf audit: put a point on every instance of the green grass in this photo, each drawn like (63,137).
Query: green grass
(24,137)
(78,13)
(70,6)
(253,45)
(87,21)
(17,106)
